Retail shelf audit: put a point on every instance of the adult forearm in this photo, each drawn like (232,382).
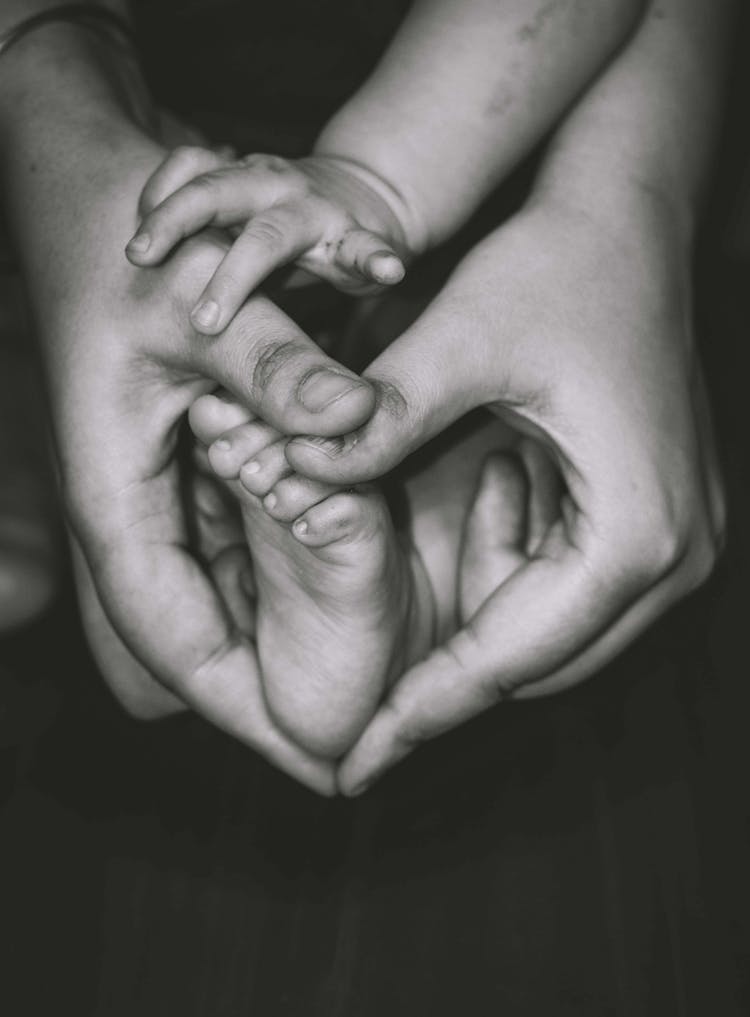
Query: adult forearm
(30,68)
(465,91)
(645,130)
(73,130)
(65,91)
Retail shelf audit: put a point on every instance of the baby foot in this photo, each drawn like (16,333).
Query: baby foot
(341,608)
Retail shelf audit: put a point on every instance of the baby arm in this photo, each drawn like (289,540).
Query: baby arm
(310,212)
(463,92)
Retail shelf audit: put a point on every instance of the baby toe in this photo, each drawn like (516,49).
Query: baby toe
(211,415)
(265,469)
(346,517)
(293,495)
(232,449)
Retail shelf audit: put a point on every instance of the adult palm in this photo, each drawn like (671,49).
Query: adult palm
(123,367)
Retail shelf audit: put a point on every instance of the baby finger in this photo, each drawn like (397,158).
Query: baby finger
(368,255)
(269,241)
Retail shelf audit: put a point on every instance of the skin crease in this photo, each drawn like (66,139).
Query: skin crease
(352,212)
(104,352)
(169,220)
(176,378)
(643,518)
(120,484)
(337,603)
(337,607)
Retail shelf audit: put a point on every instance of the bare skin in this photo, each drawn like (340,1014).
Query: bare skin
(338,600)
(345,598)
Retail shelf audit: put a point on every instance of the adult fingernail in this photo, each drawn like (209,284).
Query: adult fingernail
(332,447)
(140,243)
(206,314)
(324,387)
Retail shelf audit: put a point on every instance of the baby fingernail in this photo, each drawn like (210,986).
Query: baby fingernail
(222,444)
(301,527)
(206,313)
(385,267)
(324,387)
(252,467)
(140,243)
(270,501)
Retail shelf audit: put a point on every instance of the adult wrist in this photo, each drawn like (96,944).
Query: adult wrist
(66,70)
(70,135)
(621,195)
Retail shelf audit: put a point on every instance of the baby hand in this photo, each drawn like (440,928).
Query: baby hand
(324,214)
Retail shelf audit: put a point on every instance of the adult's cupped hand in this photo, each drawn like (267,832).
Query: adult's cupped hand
(579,333)
(574,333)
(123,367)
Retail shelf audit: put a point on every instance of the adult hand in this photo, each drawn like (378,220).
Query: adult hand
(578,332)
(124,365)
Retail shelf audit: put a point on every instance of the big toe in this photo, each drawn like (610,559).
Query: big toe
(293,495)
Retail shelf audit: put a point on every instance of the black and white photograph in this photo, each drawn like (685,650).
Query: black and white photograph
(374,508)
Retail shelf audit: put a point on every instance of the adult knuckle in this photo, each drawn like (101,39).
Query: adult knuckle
(264,364)
(664,547)
(646,558)
(652,542)
(704,554)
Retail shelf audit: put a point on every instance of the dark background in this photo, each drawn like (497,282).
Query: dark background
(583,855)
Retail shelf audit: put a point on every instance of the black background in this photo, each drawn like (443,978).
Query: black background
(583,855)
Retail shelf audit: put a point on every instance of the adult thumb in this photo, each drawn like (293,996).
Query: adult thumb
(428,378)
